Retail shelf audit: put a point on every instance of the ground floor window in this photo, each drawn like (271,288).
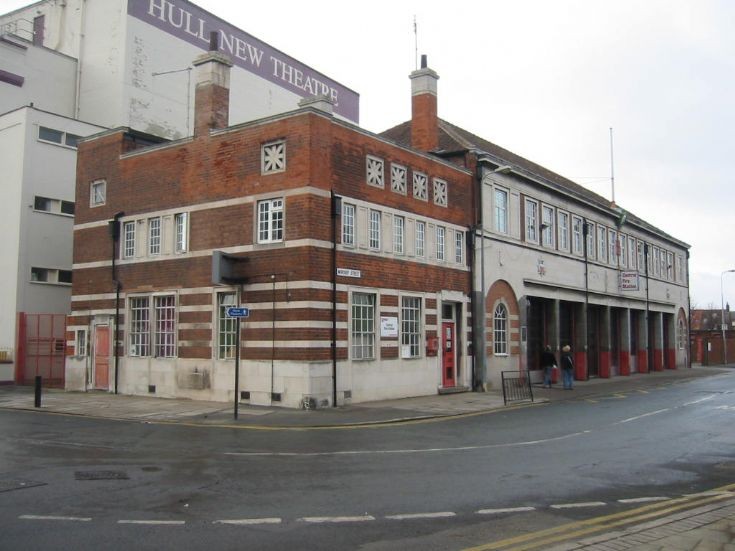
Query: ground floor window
(500,330)
(80,342)
(363,326)
(139,327)
(226,327)
(410,327)
(165,333)
(153,321)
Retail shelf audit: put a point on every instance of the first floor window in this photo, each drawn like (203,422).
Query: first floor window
(129,239)
(270,221)
(613,242)
(500,330)
(547,226)
(440,231)
(590,240)
(410,327)
(531,221)
(602,244)
(623,249)
(97,193)
(139,329)
(564,231)
(374,233)
(348,225)
(632,253)
(154,235)
(398,226)
(363,326)
(501,210)
(226,327)
(420,238)
(165,332)
(459,247)
(577,234)
(182,232)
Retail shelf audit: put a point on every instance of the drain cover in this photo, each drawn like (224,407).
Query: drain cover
(101,475)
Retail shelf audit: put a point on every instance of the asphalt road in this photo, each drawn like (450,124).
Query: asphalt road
(80,483)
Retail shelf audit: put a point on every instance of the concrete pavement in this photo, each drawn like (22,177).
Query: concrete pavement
(144,408)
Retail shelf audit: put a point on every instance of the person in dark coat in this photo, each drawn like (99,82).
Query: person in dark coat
(548,363)
(567,367)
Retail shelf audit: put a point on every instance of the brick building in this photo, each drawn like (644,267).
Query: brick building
(352,248)
(418,261)
(707,336)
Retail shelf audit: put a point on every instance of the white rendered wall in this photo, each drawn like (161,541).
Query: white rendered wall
(12,140)
(118,54)
(46,238)
(49,78)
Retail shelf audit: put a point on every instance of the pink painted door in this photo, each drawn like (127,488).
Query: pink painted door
(102,357)
(448,355)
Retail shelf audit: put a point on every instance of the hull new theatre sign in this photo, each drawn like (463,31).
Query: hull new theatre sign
(194,25)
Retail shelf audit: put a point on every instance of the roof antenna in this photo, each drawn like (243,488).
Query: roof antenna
(612,167)
(415,43)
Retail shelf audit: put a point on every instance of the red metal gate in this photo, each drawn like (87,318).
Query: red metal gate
(41,349)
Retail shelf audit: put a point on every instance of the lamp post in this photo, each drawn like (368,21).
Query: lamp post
(722,318)
(483,174)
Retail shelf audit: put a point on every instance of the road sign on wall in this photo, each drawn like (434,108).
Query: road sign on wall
(237,312)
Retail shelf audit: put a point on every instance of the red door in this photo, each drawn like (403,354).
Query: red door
(102,357)
(448,355)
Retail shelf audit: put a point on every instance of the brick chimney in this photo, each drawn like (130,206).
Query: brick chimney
(212,94)
(424,120)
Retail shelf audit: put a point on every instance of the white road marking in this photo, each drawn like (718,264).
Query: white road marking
(506,510)
(700,400)
(54,517)
(642,416)
(250,521)
(644,499)
(154,522)
(409,516)
(578,505)
(323,520)
(408,451)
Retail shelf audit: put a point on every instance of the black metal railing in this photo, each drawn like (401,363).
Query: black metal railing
(516,386)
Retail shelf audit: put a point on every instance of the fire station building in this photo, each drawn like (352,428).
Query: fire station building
(418,261)
(349,250)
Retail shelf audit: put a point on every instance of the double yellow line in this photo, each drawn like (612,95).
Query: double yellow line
(544,538)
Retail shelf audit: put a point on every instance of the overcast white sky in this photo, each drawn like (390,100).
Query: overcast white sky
(547,79)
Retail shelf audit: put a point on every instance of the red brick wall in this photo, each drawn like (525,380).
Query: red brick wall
(321,154)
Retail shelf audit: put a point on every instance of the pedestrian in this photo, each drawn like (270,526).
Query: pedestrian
(567,367)
(548,363)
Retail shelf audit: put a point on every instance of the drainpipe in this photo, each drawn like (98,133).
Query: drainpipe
(689,320)
(649,355)
(336,204)
(115,234)
(585,246)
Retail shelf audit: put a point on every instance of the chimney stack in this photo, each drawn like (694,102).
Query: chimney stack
(424,119)
(212,94)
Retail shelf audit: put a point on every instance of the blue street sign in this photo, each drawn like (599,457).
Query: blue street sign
(237,312)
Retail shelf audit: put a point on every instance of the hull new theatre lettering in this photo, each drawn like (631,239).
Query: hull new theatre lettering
(192,24)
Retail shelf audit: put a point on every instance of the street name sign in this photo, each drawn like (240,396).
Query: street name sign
(238,312)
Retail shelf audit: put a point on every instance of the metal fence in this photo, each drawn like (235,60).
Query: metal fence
(516,386)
